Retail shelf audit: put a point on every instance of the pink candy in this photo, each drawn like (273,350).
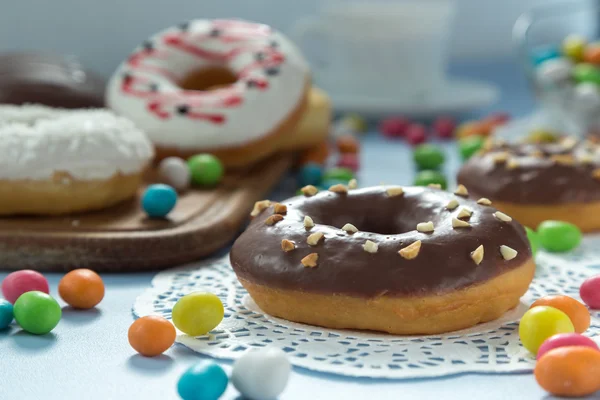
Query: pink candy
(565,340)
(394,127)
(444,127)
(416,134)
(19,282)
(350,161)
(590,292)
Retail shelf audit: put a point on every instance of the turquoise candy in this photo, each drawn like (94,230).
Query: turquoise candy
(545,53)
(203,381)
(558,236)
(534,241)
(310,174)
(339,174)
(6,314)
(158,200)
(428,177)
(586,73)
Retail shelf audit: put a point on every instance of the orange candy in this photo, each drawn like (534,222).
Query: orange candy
(569,371)
(151,335)
(577,312)
(592,54)
(81,288)
(347,144)
(317,154)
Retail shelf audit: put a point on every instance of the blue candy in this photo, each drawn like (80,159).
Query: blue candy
(545,53)
(158,200)
(203,381)
(6,314)
(310,174)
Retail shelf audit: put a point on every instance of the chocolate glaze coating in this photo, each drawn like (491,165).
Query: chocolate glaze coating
(537,179)
(443,264)
(50,80)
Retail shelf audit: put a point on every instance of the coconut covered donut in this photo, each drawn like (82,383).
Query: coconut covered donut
(58,161)
(231,88)
(406,260)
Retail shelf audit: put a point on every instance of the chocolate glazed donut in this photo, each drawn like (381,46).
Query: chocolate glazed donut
(50,80)
(401,260)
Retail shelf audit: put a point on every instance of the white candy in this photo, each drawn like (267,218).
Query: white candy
(554,71)
(261,374)
(174,172)
(587,96)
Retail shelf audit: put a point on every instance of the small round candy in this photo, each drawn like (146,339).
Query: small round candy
(590,292)
(349,161)
(554,71)
(18,282)
(317,154)
(158,200)
(310,174)
(198,313)
(37,312)
(569,371)
(354,122)
(6,314)
(566,340)
(591,53)
(347,144)
(469,128)
(394,127)
(573,46)
(545,53)
(558,236)
(151,335)
(542,136)
(428,156)
(540,323)
(469,146)
(586,72)
(577,312)
(174,172)
(428,177)
(81,288)
(204,381)
(416,134)
(338,173)
(261,374)
(444,127)
(206,169)
(533,240)
(587,96)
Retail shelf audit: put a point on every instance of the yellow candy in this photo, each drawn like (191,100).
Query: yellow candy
(573,46)
(540,323)
(198,313)
(355,123)
(541,136)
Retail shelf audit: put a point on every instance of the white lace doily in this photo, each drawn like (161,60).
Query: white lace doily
(489,347)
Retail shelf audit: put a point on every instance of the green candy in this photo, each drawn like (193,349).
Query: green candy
(470,145)
(338,174)
(558,236)
(428,156)
(534,241)
(206,169)
(585,72)
(428,177)
(37,312)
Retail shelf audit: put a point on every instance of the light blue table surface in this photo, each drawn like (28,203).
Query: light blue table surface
(88,357)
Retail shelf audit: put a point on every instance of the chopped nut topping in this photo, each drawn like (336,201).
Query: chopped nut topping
(411,251)
(435,186)
(568,143)
(310,261)
(352,184)
(370,247)
(512,164)
(586,159)
(339,188)
(477,255)
(287,245)
(464,212)
(309,190)
(507,252)
(488,144)
(461,191)
(502,217)
(349,228)
(452,204)
(314,238)
(459,223)
(500,157)
(273,219)
(259,207)
(563,159)
(596,173)
(308,222)
(536,154)
(394,191)
(425,226)
(484,201)
(280,208)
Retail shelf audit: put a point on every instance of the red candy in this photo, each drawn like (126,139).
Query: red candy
(394,127)
(444,127)
(19,282)
(350,161)
(590,292)
(565,340)
(416,134)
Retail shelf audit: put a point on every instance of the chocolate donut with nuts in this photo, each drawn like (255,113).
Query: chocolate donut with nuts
(403,260)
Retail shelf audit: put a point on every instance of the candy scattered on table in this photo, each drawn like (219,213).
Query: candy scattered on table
(428,177)
(350,161)
(81,288)
(533,240)
(174,171)
(590,292)
(338,173)
(542,136)
(261,374)
(569,371)
(354,122)
(6,314)
(573,46)
(317,154)
(394,127)
(469,146)
(540,323)
(444,127)
(416,134)
(591,53)
(198,313)
(576,311)
(558,236)
(151,335)
(428,156)
(205,169)
(205,381)
(159,200)
(565,340)
(26,280)
(347,144)
(310,174)
(37,312)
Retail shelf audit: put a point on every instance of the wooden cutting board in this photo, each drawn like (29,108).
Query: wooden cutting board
(123,239)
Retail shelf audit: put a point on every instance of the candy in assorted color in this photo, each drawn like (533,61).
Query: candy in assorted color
(469,128)
(533,240)
(558,236)
(577,312)
(354,122)
(347,144)
(206,169)
(18,282)
(394,127)
(349,161)
(416,134)
(542,136)
(569,371)
(6,314)
(81,288)
(444,127)
(585,72)
(428,156)
(151,335)
(573,46)
(317,154)
(590,292)
(204,381)
(591,53)
(566,340)
(540,323)
(310,174)
(469,146)
(261,374)
(545,53)
(37,312)
(198,313)
(158,200)
(428,177)
(338,173)
(174,171)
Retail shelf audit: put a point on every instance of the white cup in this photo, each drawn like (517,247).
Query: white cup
(387,50)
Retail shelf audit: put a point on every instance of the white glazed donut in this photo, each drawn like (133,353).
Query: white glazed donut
(236,120)
(57,161)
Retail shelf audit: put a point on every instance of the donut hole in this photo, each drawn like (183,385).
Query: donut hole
(206,79)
